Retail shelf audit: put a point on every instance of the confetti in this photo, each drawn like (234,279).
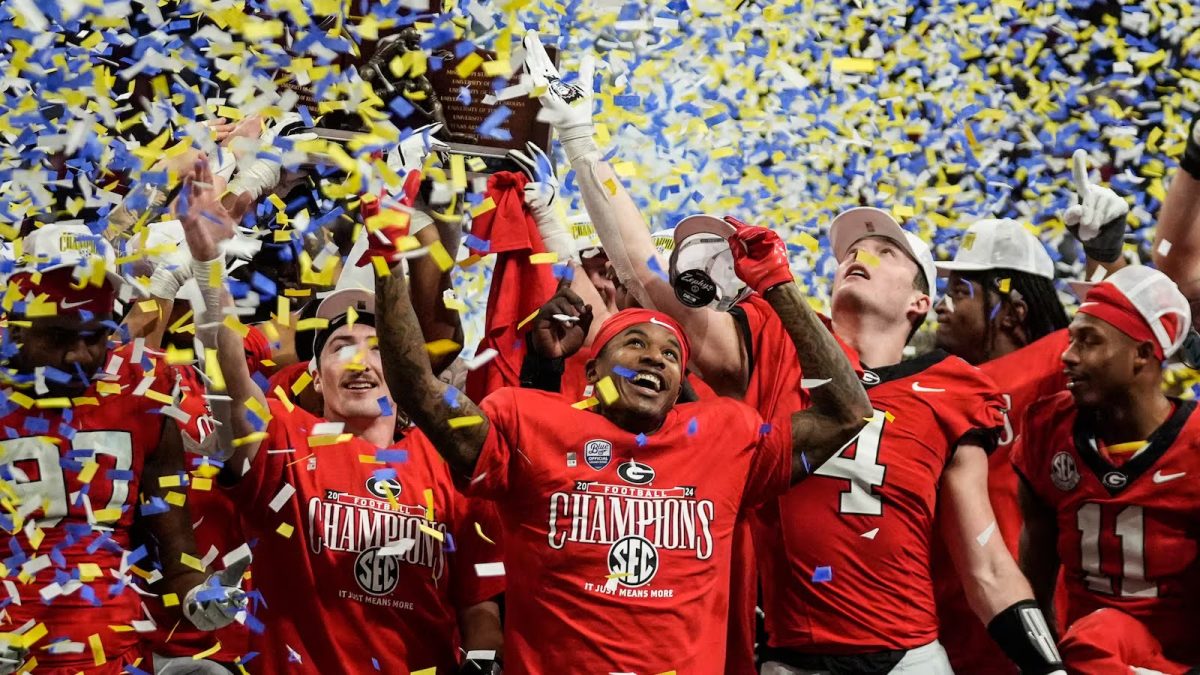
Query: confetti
(823,574)
(495,569)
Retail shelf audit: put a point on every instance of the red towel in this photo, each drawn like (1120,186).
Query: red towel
(519,287)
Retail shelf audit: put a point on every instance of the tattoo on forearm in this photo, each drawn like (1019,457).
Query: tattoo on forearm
(411,382)
(840,406)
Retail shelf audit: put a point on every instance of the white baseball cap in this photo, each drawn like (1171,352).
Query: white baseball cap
(701,263)
(68,244)
(355,286)
(864,221)
(1154,296)
(991,243)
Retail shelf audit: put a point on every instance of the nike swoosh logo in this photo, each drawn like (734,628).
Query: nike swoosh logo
(1160,477)
(73,305)
(917,387)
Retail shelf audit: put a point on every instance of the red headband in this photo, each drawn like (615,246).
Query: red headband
(59,288)
(1107,303)
(627,318)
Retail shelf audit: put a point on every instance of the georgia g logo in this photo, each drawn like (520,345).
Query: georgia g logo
(381,488)
(635,473)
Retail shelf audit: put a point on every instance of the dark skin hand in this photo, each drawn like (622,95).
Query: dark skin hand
(1039,551)
(171,530)
(839,407)
(557,339)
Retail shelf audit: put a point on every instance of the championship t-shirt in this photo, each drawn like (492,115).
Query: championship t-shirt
(75,475)
(1128,536)
(363,557)
(622,540)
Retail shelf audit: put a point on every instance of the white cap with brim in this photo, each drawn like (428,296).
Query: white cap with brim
(701,250)
(864,221)
(68,244)
(991,244)
(355,287)
(1154,295)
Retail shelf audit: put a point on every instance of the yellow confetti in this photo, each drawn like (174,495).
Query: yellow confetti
(468,421)
(170,600)
(528,319)
(107,515)
(88,472)
(176,498)
(468,65)
(543,258)
(1005,285)
(431,532)
(479,531)
(429,512)
(484,206)
(97,647)
(585,403)
(608,390)
(867,258)
(285,530)
(204,484)
(191,561)
(853,65)
(207,652)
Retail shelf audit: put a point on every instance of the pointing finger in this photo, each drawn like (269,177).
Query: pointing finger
(1079,170)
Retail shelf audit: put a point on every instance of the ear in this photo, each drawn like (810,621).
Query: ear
(316,383)
(593,374)
(1012,317)
(1145,355)
(919,305)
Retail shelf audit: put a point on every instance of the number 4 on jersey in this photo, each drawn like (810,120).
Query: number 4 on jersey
(863,470)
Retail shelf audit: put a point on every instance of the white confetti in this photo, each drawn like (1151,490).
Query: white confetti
(870,534)
(495,569)
(986,535)
(285,493)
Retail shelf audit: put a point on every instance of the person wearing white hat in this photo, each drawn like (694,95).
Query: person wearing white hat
(1108,488)
(1000,295)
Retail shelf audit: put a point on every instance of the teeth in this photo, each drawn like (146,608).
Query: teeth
(648,379)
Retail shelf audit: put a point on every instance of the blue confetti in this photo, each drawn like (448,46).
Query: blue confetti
(823,574)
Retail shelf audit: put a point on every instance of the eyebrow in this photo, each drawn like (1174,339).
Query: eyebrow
(639,331)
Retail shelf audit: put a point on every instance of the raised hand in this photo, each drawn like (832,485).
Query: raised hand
(215,603)
(542,187)
(562,324)
(410,154)
(1097,216)
(759,256)
(566,107)
(206,222)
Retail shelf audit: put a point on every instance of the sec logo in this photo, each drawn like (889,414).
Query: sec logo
(632,561)
(376,574)
(1063,472)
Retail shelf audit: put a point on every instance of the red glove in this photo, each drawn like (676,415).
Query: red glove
(759,256)
(382,242)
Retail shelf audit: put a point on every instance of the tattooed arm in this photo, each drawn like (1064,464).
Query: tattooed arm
(412,383)
(840,407)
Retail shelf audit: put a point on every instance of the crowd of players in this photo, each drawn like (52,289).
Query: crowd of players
(690,440)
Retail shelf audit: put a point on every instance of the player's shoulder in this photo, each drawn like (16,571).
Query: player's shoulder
(528,402)
(1049,425)
(932,372)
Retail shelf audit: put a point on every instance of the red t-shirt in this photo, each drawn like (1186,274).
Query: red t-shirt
(333,602)
(622,540)
(1022,377)
(1128,536)
(773,389)
(847,553)
(44,456)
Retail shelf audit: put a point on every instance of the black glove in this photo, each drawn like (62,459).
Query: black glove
(480,667)
(1190,162)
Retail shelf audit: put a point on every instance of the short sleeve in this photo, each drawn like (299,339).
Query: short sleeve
(262,479)
(976,416)
(492,469)
(770,472)
(1024,454)
(478,540)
